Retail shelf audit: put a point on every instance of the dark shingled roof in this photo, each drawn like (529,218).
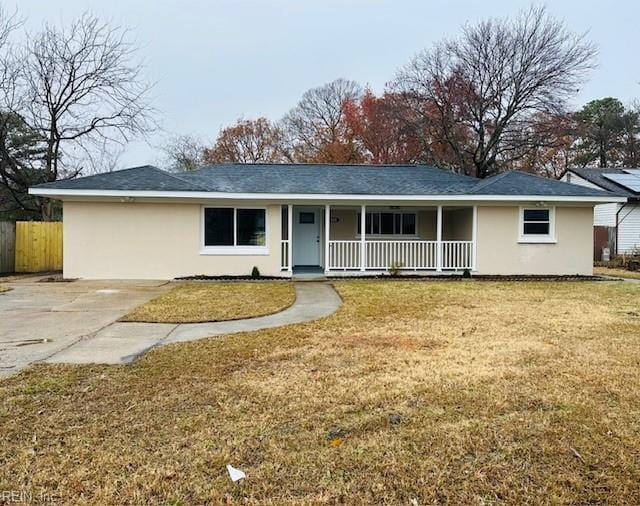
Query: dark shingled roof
(596,176)
(524,183)
(330,179)
(141,178)
(325,179)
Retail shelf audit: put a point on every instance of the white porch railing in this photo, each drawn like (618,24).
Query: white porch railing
(344,255)
(284,254)
(406,255)
(411,255)
(457,255)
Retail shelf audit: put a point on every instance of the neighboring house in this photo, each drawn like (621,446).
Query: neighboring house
(338,219)
(617,225)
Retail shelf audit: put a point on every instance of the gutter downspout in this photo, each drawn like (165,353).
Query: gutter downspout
(618,220)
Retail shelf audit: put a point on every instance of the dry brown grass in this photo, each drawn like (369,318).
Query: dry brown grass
(438,392)
(4,288)
(208,302)
(619,273)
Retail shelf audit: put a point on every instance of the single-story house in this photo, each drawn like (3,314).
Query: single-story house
(337,219)
(617,224)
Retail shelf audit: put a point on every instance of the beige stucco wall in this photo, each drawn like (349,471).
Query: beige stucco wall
(498,250)
(428,224)
(108,240)
(346,226)
(457,224)
(113,240)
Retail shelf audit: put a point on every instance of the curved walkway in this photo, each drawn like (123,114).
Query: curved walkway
(123,342)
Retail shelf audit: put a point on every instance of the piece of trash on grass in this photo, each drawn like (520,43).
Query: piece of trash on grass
(235,474)
(336,442)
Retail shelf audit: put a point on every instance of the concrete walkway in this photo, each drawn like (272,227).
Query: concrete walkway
(37,320)
(123,342)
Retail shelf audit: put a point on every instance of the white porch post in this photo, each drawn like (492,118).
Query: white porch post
(327,235)
(474,237)
(363,243)
(439,241)
(290,237)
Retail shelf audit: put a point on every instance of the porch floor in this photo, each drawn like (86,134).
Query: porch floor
(308,272)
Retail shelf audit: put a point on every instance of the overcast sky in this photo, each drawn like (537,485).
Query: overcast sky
(217,60)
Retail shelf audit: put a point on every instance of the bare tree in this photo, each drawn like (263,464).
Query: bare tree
(247,141)
(491,82)
(20,147)
(316,125)
(183,153)
(81,89)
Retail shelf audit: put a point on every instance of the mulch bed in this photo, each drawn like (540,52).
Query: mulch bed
(408,277)
(202,277)
(480,277)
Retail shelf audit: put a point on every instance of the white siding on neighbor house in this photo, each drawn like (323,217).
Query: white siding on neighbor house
(629,229)
(604,215)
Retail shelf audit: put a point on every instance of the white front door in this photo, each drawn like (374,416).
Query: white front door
(306,235)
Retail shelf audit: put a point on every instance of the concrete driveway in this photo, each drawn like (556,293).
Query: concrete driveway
(40,319)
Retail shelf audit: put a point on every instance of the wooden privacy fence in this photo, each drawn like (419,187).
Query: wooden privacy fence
(7,246)
(38,246)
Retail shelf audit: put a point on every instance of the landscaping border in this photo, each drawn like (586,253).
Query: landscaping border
(479,277)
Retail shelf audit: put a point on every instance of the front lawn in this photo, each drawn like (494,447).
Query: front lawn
(618,273)
(208,302)
(412,393)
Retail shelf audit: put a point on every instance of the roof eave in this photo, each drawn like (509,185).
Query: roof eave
(62,193)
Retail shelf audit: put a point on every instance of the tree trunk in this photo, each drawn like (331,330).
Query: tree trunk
(46,210)
(482,169)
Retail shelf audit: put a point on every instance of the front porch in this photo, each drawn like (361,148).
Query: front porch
(348,240)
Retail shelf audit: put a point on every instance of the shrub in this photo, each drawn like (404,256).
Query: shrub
(255,272)
(466,273)
(394,268)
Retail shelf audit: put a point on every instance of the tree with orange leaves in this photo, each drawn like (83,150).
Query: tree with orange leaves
(379,130)
(248,141)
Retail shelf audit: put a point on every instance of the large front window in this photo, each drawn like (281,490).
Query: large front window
(389,223)
(227,227)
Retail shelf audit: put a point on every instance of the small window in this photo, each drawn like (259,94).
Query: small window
(307,217)
(536,222)
(537,225)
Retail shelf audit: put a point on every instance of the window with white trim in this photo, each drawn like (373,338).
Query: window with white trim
(234,227)
(537,224)
(384,223)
